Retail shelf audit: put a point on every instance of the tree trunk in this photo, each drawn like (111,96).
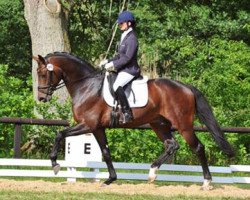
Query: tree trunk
(48,29)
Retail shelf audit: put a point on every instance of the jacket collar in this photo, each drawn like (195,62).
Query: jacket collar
(125,33)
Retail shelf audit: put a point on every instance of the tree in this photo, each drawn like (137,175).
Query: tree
(14,52)
(48,30)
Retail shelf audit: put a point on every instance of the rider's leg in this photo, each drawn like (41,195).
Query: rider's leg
(122,79)
(128,115)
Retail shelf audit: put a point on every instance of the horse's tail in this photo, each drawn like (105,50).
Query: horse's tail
(205,114)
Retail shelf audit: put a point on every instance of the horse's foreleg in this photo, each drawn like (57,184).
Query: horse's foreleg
(102,141)
(72,131)
(53,154)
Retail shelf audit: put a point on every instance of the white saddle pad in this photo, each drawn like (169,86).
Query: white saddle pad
(138,99)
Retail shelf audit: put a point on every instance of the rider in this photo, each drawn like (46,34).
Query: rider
(125,62)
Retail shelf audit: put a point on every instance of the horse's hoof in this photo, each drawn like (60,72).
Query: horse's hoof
(152,174)
(103,185)
(151,179)
(206,185)
(206,188)
(56,169)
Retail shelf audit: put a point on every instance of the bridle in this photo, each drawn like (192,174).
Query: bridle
(50,86)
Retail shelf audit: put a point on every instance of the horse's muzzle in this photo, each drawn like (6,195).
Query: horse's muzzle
(44,98)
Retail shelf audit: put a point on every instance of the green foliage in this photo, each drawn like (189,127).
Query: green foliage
(16,101)
(127,145)
(226,74)
(37,140)
(90,28)
(166,29)
(214,155)
(15,42)
(42,137)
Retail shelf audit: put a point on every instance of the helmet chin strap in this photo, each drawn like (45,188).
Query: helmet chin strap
(128,26)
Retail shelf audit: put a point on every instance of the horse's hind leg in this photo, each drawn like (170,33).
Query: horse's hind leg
(199,149)
(163,130)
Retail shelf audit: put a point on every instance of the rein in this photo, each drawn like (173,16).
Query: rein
(94,75)
(50,87)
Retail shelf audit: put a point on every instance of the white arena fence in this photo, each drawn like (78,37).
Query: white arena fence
(83,159)
(95,170)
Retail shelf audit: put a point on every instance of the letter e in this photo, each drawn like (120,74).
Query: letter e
(87,148)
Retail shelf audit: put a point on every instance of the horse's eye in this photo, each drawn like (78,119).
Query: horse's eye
(43,76)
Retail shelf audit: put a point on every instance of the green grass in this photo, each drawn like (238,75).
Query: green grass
(30,195)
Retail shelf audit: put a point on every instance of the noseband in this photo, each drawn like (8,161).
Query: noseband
(50,86)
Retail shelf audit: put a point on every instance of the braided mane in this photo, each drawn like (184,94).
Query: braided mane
(71,57)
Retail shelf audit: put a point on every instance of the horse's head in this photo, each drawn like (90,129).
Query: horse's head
(49,76)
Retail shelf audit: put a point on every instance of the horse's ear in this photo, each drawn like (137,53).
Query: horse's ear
(35,58)
(41,59)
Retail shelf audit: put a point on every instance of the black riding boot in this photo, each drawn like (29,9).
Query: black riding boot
(122,99)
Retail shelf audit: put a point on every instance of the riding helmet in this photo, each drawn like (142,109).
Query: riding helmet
(125,16)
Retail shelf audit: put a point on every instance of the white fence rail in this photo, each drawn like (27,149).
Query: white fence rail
(13,170)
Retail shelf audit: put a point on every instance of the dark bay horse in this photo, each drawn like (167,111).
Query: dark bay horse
(170,104)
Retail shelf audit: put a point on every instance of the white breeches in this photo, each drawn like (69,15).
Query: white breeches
(122,79)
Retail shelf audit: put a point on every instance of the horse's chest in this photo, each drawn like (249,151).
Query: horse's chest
(84,109)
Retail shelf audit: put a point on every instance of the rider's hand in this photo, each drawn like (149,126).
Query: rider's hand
(103,62)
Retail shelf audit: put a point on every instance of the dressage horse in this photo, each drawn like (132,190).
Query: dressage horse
(170,104)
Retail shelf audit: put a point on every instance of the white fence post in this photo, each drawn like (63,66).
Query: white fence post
(81,149)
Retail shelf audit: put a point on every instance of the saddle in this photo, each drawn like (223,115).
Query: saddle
(127,88)
(136,90)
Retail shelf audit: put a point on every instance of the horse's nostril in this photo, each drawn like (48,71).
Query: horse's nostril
(42,99)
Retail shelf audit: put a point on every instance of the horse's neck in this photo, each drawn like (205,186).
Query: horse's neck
(86,89)
(78,81)
(74,74)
